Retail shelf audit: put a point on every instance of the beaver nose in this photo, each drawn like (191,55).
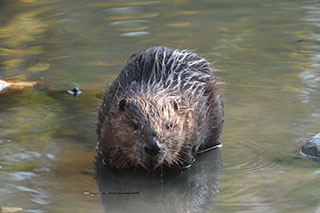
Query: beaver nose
(152,148)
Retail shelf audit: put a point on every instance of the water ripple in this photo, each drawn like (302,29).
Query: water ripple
(135,34)
(248,157)
(23,155)
(311,76)
(129,23)
(19,176)
(123,10)
(37,196)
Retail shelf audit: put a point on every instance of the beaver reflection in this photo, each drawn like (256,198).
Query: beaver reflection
(136,190)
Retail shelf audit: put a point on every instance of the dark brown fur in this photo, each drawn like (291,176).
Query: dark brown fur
(163,108)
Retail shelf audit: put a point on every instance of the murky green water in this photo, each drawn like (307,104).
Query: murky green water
(268,52)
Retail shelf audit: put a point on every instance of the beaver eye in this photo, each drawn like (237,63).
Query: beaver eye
(135,125)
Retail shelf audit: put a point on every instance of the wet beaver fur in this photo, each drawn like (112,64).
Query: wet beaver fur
(161,111)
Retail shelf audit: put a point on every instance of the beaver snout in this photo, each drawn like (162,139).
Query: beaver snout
(152,148)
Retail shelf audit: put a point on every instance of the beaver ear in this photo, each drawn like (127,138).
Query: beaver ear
(122,104)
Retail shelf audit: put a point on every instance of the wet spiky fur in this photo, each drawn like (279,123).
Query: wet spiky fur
(163,95)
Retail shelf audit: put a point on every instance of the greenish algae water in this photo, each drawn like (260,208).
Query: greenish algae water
(268,54)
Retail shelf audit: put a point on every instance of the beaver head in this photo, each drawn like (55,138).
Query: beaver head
(147,133)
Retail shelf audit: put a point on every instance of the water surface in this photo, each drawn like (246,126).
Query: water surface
(268,53)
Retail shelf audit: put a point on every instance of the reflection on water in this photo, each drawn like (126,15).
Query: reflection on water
(268,52)
(311,76)
(190,191)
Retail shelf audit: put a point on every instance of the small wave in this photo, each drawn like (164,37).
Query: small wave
(37,196)
(129,23)
(123,10)
(248,157)
(135,34)
(19,176)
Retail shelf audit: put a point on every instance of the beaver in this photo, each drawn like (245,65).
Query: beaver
(162,110)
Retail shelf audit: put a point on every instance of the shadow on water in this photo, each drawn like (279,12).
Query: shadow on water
(133,191)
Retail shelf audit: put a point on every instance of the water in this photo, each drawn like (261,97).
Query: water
(269,56)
